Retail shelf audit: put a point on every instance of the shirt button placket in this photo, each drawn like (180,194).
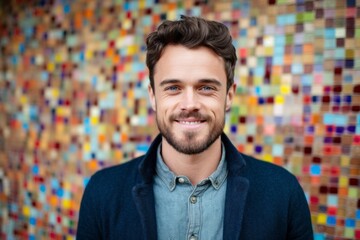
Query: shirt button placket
(193,237)
(193,199)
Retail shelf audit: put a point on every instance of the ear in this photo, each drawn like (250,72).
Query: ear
(230,96)
(152,97)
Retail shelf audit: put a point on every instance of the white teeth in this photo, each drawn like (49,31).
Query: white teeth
(190,123)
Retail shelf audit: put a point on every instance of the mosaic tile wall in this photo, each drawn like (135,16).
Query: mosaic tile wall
(73,100)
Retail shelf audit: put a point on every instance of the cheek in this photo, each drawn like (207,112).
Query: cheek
(168,103)
(163,109)
(216,105)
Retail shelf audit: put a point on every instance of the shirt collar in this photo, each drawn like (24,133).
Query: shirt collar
(217,178)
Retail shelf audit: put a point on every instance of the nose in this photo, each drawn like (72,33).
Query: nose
(190,100)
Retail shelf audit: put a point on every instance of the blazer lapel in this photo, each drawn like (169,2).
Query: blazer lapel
(144,200)
(236,191)
(143,193)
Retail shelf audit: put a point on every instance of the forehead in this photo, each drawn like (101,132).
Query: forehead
(181,63)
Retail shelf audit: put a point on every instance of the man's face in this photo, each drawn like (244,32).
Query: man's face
(190,97)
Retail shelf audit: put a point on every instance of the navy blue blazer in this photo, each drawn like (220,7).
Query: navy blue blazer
(263,201)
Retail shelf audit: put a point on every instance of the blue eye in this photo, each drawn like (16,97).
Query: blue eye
(206,88)
(172,88)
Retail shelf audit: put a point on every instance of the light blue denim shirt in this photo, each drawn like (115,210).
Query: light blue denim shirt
(184,211)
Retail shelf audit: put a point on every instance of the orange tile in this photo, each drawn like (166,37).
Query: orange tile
(309,139)
(92,165)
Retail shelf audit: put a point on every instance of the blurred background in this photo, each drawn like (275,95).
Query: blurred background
(73,100)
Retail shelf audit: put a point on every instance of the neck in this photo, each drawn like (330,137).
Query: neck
(197,166)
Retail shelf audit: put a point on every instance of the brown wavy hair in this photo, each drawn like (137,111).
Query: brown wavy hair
(192,32)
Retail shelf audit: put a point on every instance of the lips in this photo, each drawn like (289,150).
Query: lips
(189,118)
(189,122)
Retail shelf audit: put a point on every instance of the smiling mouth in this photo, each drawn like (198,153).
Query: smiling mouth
(189,122)
(189,118)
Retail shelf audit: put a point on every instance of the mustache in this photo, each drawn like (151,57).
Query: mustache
(189,114)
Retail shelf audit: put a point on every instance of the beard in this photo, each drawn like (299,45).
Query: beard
(190,145)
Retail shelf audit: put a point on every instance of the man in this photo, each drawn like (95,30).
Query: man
(193,183)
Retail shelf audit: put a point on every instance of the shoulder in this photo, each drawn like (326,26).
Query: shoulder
(272,183)
(131,165)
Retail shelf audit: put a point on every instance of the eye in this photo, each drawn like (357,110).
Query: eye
(173,88)
(207,88)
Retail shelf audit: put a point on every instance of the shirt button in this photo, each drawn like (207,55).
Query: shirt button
(193,199)
(193,237)
(181,180)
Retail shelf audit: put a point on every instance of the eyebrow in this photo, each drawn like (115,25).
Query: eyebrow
(205,80)
(169,81)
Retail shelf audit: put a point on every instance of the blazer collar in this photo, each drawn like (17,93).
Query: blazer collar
(148,164)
